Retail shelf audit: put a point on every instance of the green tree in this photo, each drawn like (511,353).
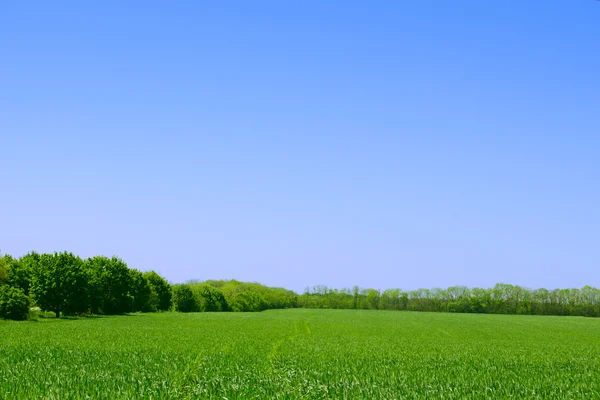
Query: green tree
(19,274)
(390,299)
(5,262)
(370,299)
(209,298)
(160,297)
(13,303)
(541,301)
(110,285)
(245,296)
(355,297)
(183,299)
(59,284)
(141,291)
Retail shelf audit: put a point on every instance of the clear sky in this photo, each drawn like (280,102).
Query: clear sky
(374,143)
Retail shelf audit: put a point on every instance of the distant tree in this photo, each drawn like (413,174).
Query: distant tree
(141,291)
(480,300)
(160,297)
(245,296)
(59,284)
(370,299)
(110,285)
(4,266)
(355,297)
(283,298)
(540,301)
(209,298)
(13,303)
(390,299)
(183,299)
(417,300)
(502,298)
(20,271)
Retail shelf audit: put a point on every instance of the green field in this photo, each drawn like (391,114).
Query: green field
(301,354)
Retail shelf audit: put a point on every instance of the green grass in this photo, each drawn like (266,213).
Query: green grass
(297,354)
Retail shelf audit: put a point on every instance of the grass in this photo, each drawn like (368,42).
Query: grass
(301,354)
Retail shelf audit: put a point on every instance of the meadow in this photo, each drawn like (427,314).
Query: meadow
(301,354)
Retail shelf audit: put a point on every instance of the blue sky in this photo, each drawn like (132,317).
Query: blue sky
(380,144)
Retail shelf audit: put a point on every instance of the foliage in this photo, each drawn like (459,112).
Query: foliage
(183,299)
(160,296)
(208,297)
(64,283)
(20,271)
(234,295)
(501,299)
(14,304)
(141,291)
(3,271)
(59,284)
(110,285)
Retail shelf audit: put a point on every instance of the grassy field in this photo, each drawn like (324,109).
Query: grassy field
(301,354)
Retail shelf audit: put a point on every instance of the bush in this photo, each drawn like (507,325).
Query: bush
(13,303)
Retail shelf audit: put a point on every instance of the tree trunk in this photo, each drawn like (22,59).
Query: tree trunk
(57,312)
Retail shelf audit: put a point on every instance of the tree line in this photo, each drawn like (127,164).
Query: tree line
(230,295)
(65,284)
(501,299)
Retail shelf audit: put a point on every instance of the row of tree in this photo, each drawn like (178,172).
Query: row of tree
(501,299)
(230,295)
(66,284)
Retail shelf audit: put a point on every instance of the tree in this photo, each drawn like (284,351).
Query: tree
(390,299)
(160,298)
(13,303)
(3,272)
(245,296)
(19,273)
(541,301)
(355,296)
(141,291)
(480,300)
(370,299)
(110,284)
(59,284)
(208,297)
(4,267)
(183,299)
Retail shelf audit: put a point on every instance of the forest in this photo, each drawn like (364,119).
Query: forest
(67,285)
